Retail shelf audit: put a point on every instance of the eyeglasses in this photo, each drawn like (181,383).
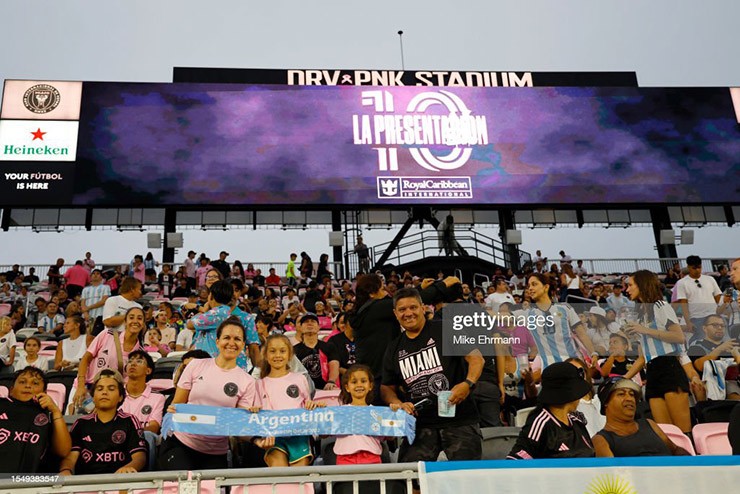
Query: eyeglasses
(715,324)
(697,283)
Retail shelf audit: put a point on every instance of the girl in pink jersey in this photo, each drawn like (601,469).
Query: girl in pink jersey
(281,389)
(357,390)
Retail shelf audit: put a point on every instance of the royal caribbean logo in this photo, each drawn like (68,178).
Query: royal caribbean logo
(424,188)
(41,98)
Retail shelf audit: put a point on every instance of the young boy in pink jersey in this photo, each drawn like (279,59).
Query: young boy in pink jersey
(281,389)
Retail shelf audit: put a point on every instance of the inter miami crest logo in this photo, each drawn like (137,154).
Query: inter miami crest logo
(146,409)
(230,389)
(292,391)
(118,437)
(41,98)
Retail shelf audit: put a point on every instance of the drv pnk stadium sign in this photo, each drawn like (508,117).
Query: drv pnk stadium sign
(213,144)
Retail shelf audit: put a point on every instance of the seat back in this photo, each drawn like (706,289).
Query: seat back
(679,438)
(3,392)
(58,393)
(160,384)
(5,309)
(498,441)
(279,489)
(330,397)
(712,439)
(521,416)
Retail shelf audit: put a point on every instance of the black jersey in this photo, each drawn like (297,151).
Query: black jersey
(345,350)
(105,447)
(544,436)
(311,360)
(25,432)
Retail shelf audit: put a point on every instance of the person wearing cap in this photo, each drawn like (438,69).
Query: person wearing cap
(623,435)
(554,429)
(616,300)
(107,440)
(598,329)
(318,357)
(221,264)
(698,295)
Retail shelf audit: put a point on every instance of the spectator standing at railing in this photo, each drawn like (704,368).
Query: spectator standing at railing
(221,265)
(500,295)
(306,268)
(564,258)
(363,255)
(77,278)
(698,295)
(290,271)
(138,269)
(88,263)
(190,269)
(54,274)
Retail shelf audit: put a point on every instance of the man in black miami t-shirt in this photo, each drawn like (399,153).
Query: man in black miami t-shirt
(414,368)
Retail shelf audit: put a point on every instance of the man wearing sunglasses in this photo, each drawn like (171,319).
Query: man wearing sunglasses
(698,295)
(623,435)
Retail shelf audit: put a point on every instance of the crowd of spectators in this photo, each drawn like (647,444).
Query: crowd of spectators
(599,362)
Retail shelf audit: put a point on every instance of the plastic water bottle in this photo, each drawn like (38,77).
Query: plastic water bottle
(87,405)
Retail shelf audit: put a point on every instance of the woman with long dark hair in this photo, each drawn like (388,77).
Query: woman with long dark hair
(662,341)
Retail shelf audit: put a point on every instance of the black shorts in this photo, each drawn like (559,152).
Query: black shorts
(665,375)
(462,442)
(174,455)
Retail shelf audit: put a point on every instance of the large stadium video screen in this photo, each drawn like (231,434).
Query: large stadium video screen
(268,145)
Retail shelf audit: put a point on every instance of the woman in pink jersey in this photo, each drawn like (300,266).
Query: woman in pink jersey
(215,382)
(281,389)
(103,354)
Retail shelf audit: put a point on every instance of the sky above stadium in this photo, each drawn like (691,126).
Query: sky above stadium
(666,42)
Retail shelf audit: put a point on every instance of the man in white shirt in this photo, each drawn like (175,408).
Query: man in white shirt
(564,258)
(579,269)
(501,295)
(114,310)
(698,295)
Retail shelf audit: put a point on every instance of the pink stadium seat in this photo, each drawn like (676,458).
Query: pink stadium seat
(3,392)
(46,344)
(180,299)
(160,384)
(712,439)
(58,393)
(45,295)
(679,438)
(279,489)
(5,309)
(330,397)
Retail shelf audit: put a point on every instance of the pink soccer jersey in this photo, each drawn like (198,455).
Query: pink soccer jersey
(211,385)
(103,350)
(283,393)
(146,408)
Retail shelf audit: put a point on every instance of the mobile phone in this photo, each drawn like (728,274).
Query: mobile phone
(422,404)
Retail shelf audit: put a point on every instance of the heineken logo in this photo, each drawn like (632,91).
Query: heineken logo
(41,98)
(38,134)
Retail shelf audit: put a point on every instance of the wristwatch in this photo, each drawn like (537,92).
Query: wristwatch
(470,384)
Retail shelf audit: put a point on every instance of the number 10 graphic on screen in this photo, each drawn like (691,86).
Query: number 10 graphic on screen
(434,122)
